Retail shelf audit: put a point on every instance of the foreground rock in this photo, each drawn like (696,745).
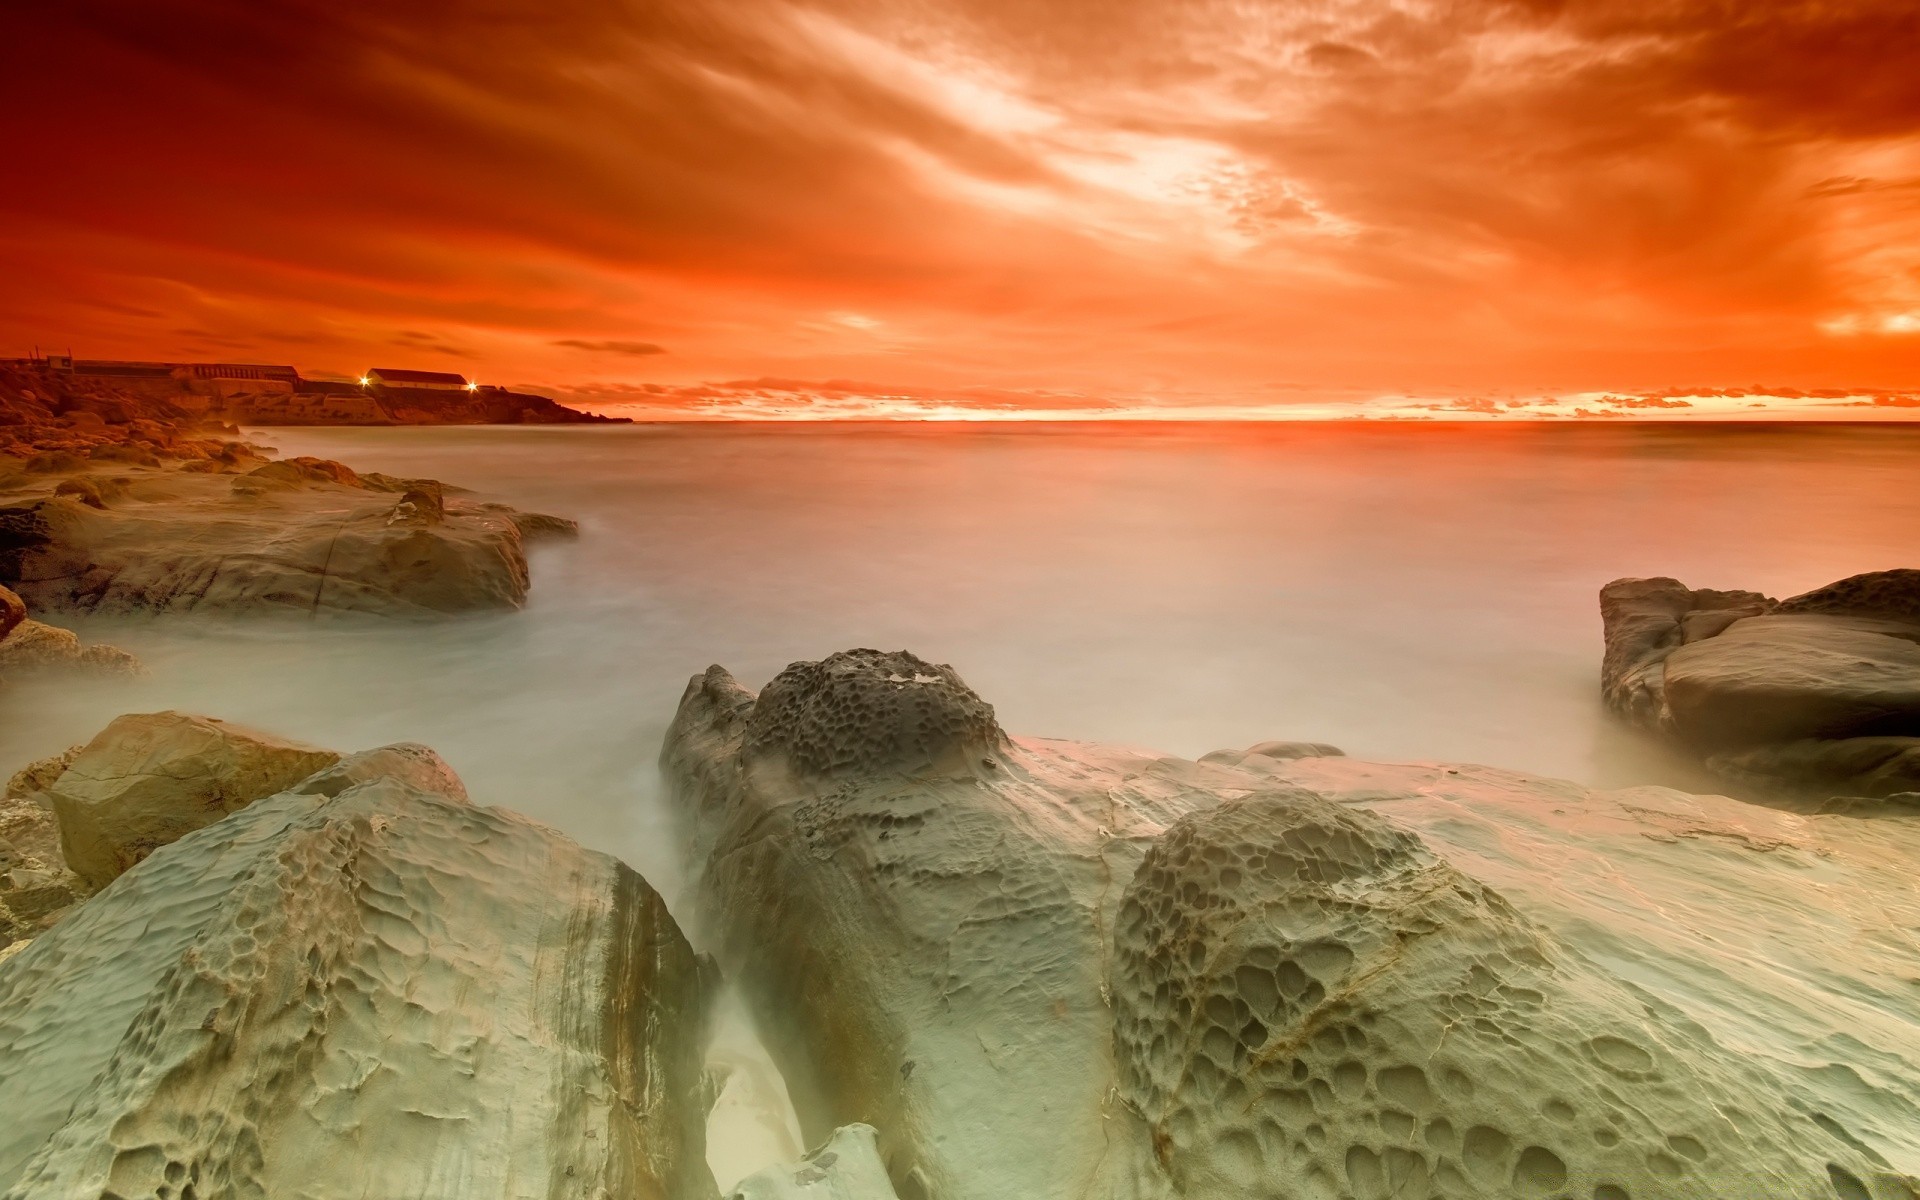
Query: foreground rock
(1820,692)
(303,537)
(358,987)
(847,1167)
(1049,969)
(149,779)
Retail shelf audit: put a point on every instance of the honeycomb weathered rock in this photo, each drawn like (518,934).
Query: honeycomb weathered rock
(867,710)
(1309,1002)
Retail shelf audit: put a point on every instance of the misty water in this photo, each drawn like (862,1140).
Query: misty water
(1401,591)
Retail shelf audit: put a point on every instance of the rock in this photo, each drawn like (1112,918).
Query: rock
(384,992)
(36,889)
(847,1167)
(1805,692)
(148,779)
(1276,751)
(916,910)
(1050,969)
(34,648)
(1894,595)
(13,610)
(303,470)
(1305,993)
(297,538)
(410,762)
(82,489)
(423,505)
(39,775)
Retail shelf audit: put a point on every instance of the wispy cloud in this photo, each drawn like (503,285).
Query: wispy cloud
(631,349)
(1130,199)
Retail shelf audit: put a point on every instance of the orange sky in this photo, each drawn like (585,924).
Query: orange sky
(986,206)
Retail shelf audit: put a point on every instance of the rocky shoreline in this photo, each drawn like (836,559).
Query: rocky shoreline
(988,966)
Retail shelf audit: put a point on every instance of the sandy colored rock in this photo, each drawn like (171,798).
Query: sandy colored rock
(35,648)
(847,1167)
(148,779)
(1641,993)
(304,537)
(38,776)
(384,992)
(1309,1001)
(1818,693)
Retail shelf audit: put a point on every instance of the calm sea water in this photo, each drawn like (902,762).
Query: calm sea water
(1405,592)
(1399,591)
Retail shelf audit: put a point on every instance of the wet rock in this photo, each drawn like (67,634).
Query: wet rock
(381,992)
(148,779)
(1804,692)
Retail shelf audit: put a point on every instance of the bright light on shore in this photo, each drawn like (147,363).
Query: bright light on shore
(473,387)
(365,380)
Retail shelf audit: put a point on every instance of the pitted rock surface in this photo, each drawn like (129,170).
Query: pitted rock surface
(859,711)
(1309,1002)
(1894,595)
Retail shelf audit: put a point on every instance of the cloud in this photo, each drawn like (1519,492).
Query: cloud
(634,349)
(1141,199)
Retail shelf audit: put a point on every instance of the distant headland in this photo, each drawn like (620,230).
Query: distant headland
(120,391)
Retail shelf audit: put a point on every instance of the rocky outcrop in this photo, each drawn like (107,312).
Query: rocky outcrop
(919,911)
(148,779)
(847,1167)
(358,987)
(1048,969)
(1820,692)
(303,537)
(29,647)
(35,648)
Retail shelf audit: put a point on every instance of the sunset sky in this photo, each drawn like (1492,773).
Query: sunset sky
(999,207)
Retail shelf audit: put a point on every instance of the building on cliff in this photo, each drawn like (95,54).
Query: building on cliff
(432,380)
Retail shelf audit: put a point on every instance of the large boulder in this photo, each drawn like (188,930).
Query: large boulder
(303,537)
(361,989)
(35,648)
(1043,968)
(148,779)
(1819,693)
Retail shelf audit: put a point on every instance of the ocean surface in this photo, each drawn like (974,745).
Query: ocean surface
(1401,591)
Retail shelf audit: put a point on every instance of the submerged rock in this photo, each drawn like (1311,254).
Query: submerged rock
(1049,969)
(362,989)
(1819,692)
(148,779)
